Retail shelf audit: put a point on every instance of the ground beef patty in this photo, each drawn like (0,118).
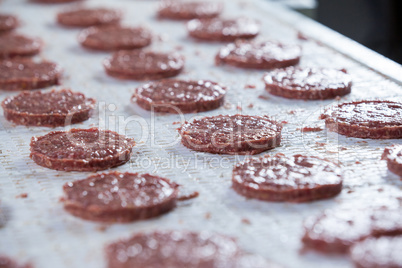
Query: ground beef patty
(52,108)
(81,149)
(114,37)
(231,134)
(308,83)
(378,252)
(8,22)
(143,65)
(180,96)
(13,45)
(372,119)
(21,74)
(85,17)
(178,10)
(278,178)
(223,30)
(173,249)
(335,231)
(393,155)
(119,197)
(259,54)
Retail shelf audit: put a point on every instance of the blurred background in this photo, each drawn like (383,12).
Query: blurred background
(376,24)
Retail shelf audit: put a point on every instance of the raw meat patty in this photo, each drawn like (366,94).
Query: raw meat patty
(372,119)
(308,83)
(143,65)
(172,249)
(259,54)
(223,30)
(279,178)
(81,149)
(85,17)
(180,96)
(52,108)
(178,10)
(25,74)
(14,45)
(335,231)
(114,37)
(231,134)
(378,252)
(393,155)
(119,197)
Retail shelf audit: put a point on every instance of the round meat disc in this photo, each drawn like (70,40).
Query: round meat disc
(223,30)
(85,17)
(308,83)
(25,74)
(81,149)
(259,54)
(367,119)
(181,10)
(143,65)
(384,251)
(180,96)
(279,178)
(335,231)
(114,37)
(393,156)
(119,197)
(52,108)
(13,45)
(8,22)
(173,249)
(231,134)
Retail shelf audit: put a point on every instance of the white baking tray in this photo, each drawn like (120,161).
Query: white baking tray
(38,230)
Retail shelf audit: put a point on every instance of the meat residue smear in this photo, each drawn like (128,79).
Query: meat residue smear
(301,36)
(311,129)
(23,195)
(102,228)
(250,105)
(246,221)
(179,48)
(263,97)
(250,86)
(188,196)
